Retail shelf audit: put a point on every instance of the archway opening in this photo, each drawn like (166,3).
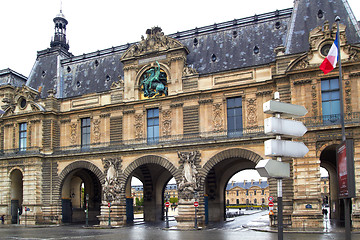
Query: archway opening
(245,193)
(80,194)
(335,206)
(216,183)
(171,196)
(137,193)
(16,195)
(154,179)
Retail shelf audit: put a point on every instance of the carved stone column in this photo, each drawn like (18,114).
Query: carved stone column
(113,193)
(188,190)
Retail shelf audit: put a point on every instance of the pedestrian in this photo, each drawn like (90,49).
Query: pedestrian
(2,219)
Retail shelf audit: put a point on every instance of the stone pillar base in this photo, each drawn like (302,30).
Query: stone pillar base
(307,220)
(117,215)
(186,217)
(355,220)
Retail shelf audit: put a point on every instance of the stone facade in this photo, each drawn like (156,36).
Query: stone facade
(246,194)
(84,122)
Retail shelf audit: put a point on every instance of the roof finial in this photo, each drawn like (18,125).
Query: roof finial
(60,6)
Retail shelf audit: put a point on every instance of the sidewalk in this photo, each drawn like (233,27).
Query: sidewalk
(262,224)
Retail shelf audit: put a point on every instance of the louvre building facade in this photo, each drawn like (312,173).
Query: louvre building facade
(186,105)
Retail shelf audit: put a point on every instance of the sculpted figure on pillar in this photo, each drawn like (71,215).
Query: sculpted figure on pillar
(111,185)
(190,179)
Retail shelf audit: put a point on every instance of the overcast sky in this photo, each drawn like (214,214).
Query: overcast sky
(27,25)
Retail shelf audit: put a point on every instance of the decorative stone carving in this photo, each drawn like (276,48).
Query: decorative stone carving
(188,71)
(348,108)
(73,133)
(314,100)
(139,128)
(190,178)
(155,41)
(112,188)
(96,130)
(117,84)
(166,124)
(251,112)
(218,118)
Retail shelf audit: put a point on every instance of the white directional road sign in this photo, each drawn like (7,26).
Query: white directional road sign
(280,126)
(286,109)
(276,148)
(272,168)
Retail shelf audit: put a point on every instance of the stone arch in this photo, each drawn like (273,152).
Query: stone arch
(76,165)
(229,153)
(151,159)
(319,150)
(15,168)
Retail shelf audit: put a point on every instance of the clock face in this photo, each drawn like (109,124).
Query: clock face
(325,49)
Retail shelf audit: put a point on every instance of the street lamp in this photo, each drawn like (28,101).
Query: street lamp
(87,210)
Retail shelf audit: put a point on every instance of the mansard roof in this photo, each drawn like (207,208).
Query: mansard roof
(10,77)
(236,44)
(247,185)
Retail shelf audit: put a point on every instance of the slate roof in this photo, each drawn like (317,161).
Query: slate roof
(10,77)
(235,44)
(247,185)
(171,186)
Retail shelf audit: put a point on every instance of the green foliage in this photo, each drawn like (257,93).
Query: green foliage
(174,200)
(139,202)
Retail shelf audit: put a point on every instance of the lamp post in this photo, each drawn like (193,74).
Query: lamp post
(87,210)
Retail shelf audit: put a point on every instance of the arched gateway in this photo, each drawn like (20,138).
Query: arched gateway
(80,190)
(184,105)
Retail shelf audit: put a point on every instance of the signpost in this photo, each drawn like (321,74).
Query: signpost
(196,205)
(26,209)
(109,206)
(281,148)
(167,205)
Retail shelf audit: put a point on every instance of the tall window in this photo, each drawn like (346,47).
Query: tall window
(234,116)
(330,95)
(85,132)
(22,136)
(153,125)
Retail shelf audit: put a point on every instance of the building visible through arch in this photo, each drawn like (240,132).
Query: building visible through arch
(186,106)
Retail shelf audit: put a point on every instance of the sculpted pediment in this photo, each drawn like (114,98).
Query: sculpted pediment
(155,41)
(320,40)
(23,100)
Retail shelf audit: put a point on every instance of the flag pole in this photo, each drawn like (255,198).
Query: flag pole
(347,201)
(342,121)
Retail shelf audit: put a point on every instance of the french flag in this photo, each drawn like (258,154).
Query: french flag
(331,59)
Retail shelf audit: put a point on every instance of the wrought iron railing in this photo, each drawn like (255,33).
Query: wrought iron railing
(327,120)
(201,137)
(187,139)
(21,152)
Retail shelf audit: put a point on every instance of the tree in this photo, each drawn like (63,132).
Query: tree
(139,202)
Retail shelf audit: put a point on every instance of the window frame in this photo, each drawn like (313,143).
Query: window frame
(234,116)
(152,125)
(22,136)
(85,132)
